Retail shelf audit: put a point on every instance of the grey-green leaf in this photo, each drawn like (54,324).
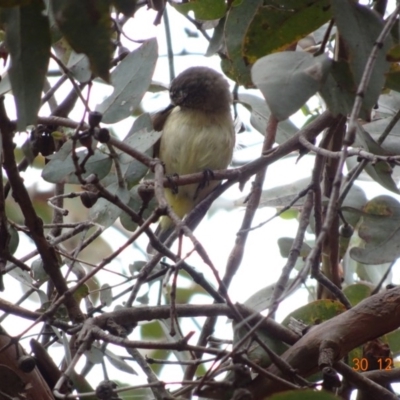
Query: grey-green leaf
(105,212)
(28,41)
(359,28)
(287,80)
(130,80)
(61,168)
(87,27)
(380,231)
(260,114)
(106,296)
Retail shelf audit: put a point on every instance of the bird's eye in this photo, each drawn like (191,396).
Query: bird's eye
(178,95)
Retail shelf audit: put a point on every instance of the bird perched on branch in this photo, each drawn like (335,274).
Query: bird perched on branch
(198,135)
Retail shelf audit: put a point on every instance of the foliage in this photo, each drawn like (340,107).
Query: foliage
(68,247)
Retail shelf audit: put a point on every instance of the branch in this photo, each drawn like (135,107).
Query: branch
(32,221)
(372,318)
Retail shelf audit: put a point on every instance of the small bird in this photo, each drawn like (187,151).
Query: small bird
(198,135)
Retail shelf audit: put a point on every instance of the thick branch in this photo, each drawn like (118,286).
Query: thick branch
(32,221)
(368,320)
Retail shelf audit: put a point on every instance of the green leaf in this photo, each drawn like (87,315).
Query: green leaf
(373,273)
(359,28)
(14,239)
(357,292)
(61,168)
(217,38)
(289,214)
(283,22)
(126,7)
(118,362)
(87,27)
(285,244)
(393,77)
(339,89)
(297,75)
(142,138)
(393,340)
(106,296)
(391,145)
(307,394)
(238,21)
(104,212)
(316,312)
(94,354)
(5,84)
(135,203)
(154,331)
(380,172)
(380,231)
(364,140)
(130,80)
(355,200)
(203,9)
(28,41)
(77,63)
(132,394)
(253,350)
(14,3)
(260,114)
(79,66)
(261,300)
(281,196)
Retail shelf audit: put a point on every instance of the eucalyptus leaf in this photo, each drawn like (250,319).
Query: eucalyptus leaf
(357,292)
(106,296)
(261,300)
(142,138)
(203,9)
(130,79)
(253,350)
(61,168)
(283,25)
(237,23)
(94,354)
(135,202)
(79,66)
(339,89)
(281,196)
(28,42)
(260,114)
(297,75)
(126,7)
(217,39)
(104,212)
(87,28)
(380,231)
(391,144)
(119,363)
(14,239)
(359,28)
(316,312)
(285,244)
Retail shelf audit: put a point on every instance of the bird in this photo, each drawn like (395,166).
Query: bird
(197,135)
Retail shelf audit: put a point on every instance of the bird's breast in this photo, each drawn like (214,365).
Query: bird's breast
(193,141)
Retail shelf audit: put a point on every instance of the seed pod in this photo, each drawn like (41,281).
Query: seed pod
(26,363)
(89,199)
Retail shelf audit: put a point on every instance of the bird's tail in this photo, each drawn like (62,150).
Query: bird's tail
(163,231)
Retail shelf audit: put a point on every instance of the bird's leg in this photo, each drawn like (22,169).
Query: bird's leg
(208,174)
(174,186)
